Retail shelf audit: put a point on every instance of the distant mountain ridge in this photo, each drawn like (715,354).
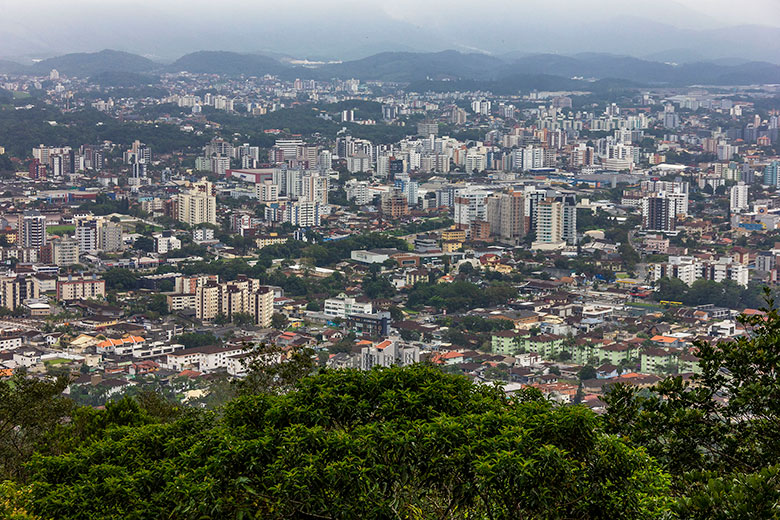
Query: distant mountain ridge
(228,63)
(89,63)
(420,67)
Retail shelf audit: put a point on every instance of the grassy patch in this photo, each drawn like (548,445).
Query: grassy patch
(58,230)
(56,361)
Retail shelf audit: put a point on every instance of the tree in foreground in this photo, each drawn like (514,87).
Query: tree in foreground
(391,443)
(718,432)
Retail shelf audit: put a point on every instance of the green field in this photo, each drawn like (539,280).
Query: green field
(56,361)
(58,230)
(20,94)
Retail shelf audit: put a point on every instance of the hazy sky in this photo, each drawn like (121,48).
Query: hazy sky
(350,28)
(728,12)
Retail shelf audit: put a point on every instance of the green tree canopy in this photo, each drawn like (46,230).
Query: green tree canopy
(392,443)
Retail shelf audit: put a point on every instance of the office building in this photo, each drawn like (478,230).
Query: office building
(772,174)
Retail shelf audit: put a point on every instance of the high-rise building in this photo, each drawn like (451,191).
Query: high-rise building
(87,234)
(198,205)
(314,188)
(738,197)
(267,191)
(303,213)
(549,225)
(138,153)
(65,251)
(109,236)
(505,214)
(15,290)
(469,205)
(427,128)
(358,191)
(243,295)
(475,162)
(772,174)
(569,215)
(394,204)
(219,164)
(658,213)
(31,229)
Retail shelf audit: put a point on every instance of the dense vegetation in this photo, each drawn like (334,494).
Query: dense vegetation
(395,443)
(718,434)
(32,127)
(701,292)
(459,296)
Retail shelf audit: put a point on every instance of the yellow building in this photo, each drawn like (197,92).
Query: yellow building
(269,240)
(450,246)
(453,234)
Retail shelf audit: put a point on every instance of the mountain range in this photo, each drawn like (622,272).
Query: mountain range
(412,67)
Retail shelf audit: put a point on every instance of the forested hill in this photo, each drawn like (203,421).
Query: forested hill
(556,70)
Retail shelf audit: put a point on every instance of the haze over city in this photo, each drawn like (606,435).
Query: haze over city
(683,30)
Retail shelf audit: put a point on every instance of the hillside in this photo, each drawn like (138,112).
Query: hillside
(509,72)
(228,63)
(87,64)
(410,66)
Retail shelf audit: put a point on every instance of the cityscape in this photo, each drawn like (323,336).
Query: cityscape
(414,284)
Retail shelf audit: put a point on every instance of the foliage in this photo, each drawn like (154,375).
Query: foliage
(727,293)
(375,286)
(196,339)
(29,410)
(118,279)
(393,443)
(717,433)
(273,370)
(243,319)
(279,320)
(459,296)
